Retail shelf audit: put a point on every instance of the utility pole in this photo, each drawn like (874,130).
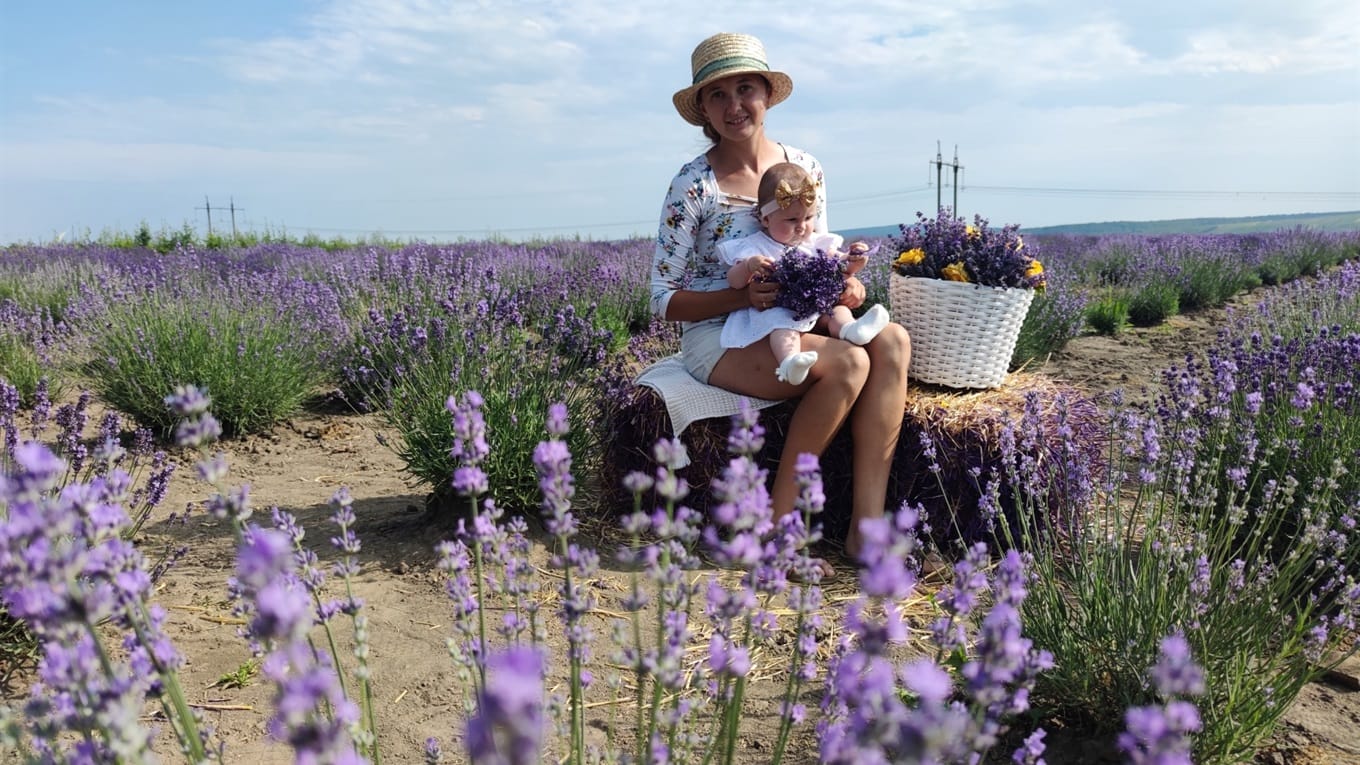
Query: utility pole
(940,165)
(208,207)
(957,167)
(234,208)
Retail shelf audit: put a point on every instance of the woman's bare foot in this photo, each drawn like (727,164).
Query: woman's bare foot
(828,572)
(854,545)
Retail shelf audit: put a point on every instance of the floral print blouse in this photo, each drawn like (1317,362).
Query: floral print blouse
(696,216)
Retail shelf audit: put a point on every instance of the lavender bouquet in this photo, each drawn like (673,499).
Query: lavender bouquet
(950,248)
(810,284)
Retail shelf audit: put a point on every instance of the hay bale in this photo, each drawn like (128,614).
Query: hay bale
(966,428)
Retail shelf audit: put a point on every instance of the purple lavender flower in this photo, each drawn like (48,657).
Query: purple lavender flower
(65,569)
(470,448)
(553,461)
(507,728)
(312,713)
(1160,734)
(947,247)
(188,401)
(1176,673)
(810,284)
(433,754)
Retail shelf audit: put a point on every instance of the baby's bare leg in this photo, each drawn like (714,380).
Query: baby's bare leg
(837,319)
(785,343)
(794,363)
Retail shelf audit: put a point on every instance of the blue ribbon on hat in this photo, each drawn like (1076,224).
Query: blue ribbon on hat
(729,62)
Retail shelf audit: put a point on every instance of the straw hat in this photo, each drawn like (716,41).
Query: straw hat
(723,55)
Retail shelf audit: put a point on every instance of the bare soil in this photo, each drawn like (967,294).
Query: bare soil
(298,465)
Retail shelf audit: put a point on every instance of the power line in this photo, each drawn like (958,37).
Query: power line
(1168,193)
(889,194)
(470,231)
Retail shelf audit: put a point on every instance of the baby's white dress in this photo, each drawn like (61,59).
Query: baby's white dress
(747,325)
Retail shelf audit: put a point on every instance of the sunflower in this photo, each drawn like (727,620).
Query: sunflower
(911,257)
(955,272)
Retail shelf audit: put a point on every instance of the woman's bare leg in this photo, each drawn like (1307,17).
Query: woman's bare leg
(833,385)
(875,425)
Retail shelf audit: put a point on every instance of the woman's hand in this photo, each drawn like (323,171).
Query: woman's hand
(852,296)
(763,294)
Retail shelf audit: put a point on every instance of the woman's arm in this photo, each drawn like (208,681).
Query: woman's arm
(690,305)
(739,275)
(673,260)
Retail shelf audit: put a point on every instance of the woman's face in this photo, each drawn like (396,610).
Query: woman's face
(735,106)
(791,225)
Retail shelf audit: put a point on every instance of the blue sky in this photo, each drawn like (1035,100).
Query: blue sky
(437,119)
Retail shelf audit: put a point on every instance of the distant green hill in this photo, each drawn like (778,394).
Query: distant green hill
(1337,221)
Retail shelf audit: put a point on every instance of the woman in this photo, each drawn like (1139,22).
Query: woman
(712,199)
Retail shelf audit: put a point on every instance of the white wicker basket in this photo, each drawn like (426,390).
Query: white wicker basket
(962,335)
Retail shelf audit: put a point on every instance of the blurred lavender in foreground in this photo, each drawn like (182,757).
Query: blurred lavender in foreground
(1160,735)
(68,573)
(508,726)
(876,710)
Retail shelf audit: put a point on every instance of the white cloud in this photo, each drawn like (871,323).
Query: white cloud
(441,110)
(152,162)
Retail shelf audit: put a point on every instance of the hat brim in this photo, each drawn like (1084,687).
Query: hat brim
(687,100)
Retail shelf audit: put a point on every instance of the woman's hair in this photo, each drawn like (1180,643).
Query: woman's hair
(709,132)
(795,177)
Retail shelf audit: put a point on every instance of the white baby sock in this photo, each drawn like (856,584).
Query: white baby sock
(866,328)
(794,368)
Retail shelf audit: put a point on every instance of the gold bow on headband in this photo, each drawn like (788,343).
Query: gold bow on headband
(785,195)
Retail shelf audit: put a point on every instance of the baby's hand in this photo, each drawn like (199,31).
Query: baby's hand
(855,259)
(759,266)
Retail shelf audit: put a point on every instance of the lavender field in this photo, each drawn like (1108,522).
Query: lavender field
(1167,599)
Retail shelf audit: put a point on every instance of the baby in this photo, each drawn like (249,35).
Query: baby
(787,205)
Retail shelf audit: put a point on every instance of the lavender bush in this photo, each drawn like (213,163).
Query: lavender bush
(1300,309)
(503,320)
(257,338)
(524,359)
(83,591)
(1177,541)
(1153,304)
(1056,315)
(128,458)
(1107,313)
(323,709)
(1281,417)
(1301,253)
(1203,270)
(31,349)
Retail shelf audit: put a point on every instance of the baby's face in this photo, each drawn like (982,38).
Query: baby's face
(790,226)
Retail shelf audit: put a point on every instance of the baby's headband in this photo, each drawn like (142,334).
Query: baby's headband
(785,195)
